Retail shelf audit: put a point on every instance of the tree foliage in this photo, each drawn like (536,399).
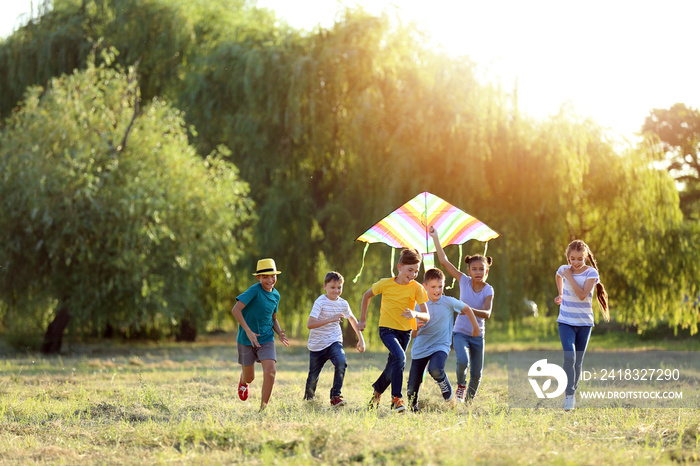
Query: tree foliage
(109,212)
(676,133)
(335,128)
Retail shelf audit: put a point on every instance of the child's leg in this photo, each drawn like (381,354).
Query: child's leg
(582,335)
(415,377)
(567,335)
(247,374)
(436,369)
(476,353)
(336,354)
(461,345)
(269,372)
(384,379)
(316,361)
(396,342)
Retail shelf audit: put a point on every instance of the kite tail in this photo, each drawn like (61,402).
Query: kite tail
(363,264)
(486,248)
(459,264)
(393,252)
(428,261)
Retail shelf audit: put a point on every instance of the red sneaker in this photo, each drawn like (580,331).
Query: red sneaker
(242,390)
(337,401)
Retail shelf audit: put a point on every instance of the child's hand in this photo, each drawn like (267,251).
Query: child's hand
(408,314)
(433,232)
(283,338)
(361,324)
(253,337)
(361,346)
(557,300)
(419,324)
(476,332)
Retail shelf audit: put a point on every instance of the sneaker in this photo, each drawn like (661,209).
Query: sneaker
(569,402)
(242,391)
(446,389)
(397,405)
(461,393)
(337,401)
(374,402)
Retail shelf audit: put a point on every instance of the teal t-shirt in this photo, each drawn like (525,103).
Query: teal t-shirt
(258,310)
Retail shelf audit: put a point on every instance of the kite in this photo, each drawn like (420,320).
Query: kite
(407,227)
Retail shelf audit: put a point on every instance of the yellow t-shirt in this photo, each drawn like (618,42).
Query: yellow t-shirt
(395,299)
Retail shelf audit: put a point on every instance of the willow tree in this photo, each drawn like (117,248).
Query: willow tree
(109,213)
(164,36)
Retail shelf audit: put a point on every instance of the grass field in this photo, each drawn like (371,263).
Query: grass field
(169,403)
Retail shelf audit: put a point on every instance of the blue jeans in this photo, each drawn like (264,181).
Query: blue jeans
(574,340)
(468,350)
(436,369)
(396,342)
(317,359)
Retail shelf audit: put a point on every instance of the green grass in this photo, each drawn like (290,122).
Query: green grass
(154,404)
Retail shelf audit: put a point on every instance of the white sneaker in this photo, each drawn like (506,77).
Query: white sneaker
(569,402)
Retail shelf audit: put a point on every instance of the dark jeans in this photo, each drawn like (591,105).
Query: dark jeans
(317,359)
(396,342)
(436,369)
(574,340)
(470,354)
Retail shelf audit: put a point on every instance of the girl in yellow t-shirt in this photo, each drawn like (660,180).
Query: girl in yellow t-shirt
(397,317)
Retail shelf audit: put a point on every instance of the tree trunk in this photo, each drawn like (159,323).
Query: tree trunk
(54,334)
(188,330)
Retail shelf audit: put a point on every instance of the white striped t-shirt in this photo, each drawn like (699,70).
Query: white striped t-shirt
(324,336)
(574,311)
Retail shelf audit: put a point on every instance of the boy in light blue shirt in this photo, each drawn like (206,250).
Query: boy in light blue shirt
(431,342)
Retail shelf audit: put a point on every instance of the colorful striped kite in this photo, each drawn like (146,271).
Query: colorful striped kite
(407,227)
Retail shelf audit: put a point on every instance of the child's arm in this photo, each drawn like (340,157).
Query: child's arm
(315,322)
(238,314)
(467,311)
(581,293)
(560,287)
(486,312)
(442,257)
(419,324)
(278,330)
(360,338)
(423,315)
(365,305)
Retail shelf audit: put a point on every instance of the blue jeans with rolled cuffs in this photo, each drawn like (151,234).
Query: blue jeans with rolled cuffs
(396,342)
(470,354)
(574,340)
(336,354)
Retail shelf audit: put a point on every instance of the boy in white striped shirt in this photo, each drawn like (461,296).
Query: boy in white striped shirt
(326,337)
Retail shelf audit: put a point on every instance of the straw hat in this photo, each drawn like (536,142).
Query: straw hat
(266,267)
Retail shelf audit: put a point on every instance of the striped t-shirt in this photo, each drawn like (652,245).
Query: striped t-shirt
(574,311)
(324,336)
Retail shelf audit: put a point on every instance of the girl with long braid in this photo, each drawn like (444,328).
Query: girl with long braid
(575,282)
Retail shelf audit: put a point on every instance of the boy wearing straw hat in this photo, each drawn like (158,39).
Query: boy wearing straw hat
(256,313)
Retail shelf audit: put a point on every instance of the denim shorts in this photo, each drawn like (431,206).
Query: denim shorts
(249,355)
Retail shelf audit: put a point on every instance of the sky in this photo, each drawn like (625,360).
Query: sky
(612,60)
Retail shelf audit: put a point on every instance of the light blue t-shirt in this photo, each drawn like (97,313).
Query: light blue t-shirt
(475,301)
(258,310)
(436,335)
